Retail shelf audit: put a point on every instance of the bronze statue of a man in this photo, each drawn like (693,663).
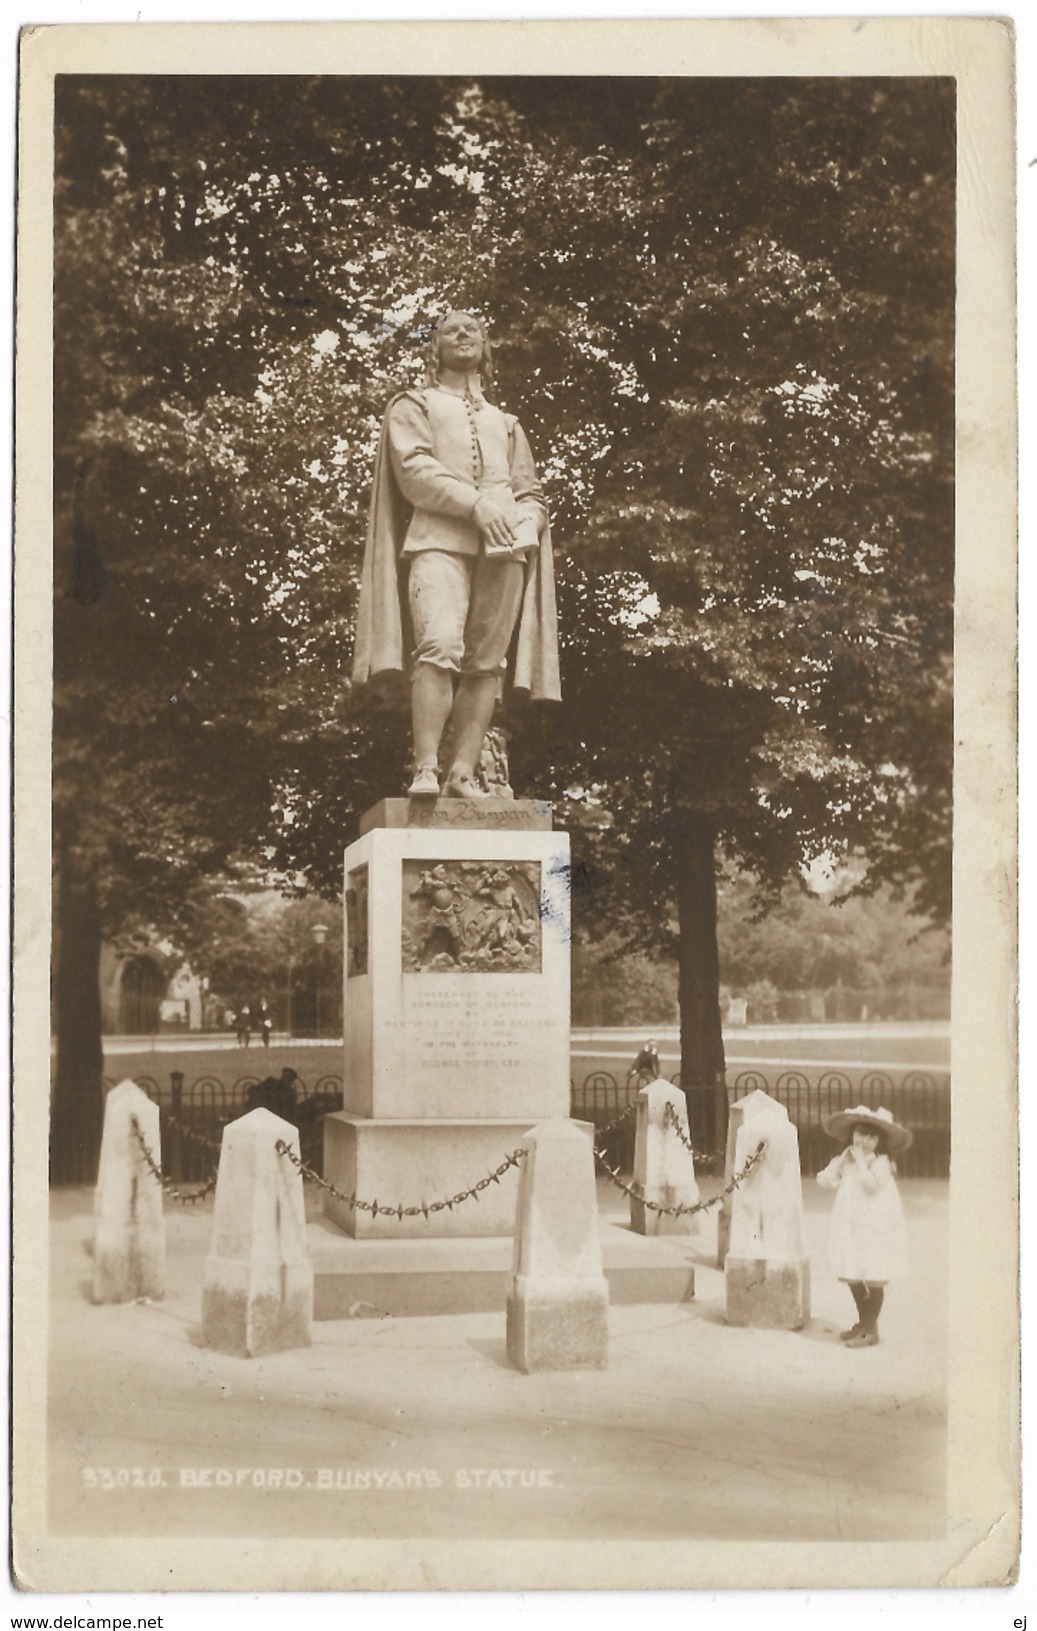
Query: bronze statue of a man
(458,575)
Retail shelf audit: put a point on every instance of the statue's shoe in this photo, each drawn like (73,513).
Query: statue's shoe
(425,784)
(461,784)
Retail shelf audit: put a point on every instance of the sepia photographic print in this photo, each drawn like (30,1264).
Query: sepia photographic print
(514,807)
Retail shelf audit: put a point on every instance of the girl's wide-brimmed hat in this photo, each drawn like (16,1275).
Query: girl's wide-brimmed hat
(842,1122)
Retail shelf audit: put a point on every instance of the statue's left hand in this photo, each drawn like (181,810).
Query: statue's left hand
(489,516)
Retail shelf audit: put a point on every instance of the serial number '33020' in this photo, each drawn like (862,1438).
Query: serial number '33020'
(124,1478)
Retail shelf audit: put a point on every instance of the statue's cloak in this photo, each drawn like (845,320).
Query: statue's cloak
(384,638)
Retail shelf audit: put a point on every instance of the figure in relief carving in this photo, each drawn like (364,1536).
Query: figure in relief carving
(466,917)
(442,930)
(507,927)
(493,774)
(458,578)
(356,921)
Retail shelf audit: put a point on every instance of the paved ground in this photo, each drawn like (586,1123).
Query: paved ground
(420,1428)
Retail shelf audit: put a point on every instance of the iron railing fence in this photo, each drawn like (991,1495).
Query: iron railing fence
(918,1099)
(199,1111)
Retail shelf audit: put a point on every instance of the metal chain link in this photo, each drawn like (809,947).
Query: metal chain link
(679,1209)
(672,1119)
(611,1126)
(400,1211)
(167,1184)
(189,1132)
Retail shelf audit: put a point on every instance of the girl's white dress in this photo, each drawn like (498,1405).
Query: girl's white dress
(868,1240)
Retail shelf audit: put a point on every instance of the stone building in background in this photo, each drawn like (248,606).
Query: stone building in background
(146,990)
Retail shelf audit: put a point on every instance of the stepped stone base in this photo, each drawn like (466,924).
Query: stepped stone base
(406,1278)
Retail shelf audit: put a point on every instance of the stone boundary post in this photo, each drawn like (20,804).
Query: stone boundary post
(663,1167)
(767,1271)
(129,1227)
(557,1312)
(257,1287)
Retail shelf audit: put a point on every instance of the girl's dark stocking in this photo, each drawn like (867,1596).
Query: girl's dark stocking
(859,1293)
(875,1295)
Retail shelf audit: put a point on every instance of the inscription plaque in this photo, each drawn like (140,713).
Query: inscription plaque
(448,1032)
(471,917)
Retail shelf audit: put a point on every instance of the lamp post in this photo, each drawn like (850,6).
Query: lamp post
(319,932)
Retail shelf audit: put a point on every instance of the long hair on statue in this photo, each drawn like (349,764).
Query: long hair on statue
(432,359)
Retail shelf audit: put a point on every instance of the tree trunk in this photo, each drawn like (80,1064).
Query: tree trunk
(77,1098)
(702,1045)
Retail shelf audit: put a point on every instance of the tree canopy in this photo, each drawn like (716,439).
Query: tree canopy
(723,311)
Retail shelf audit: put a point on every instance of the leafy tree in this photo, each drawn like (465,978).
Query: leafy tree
(609,988)
(203,592)
(810,941)
(768,667)
(722,309)
(255,943)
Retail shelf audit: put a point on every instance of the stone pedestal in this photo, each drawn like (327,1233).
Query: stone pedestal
(664,1169)
(257,1285)
(129,1228)
(456,1009)
(767,1271)
(412,1163)
(557,1314)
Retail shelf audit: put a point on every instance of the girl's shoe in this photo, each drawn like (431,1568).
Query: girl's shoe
(863,1339)
(854,1331)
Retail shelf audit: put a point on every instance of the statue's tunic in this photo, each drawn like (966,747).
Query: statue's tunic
(446,451)
(437,454)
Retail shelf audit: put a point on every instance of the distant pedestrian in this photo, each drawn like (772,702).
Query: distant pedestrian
(646,1066)
(266,1023)
(243,1027)
(867,1244)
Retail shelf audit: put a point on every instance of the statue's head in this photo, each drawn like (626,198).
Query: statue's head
(460,341)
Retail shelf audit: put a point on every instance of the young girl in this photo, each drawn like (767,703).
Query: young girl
(867,1246)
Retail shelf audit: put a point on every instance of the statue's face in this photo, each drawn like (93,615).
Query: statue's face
(460,342)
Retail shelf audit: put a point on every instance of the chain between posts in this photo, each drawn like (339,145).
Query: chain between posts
(167,1184)
(670,1119)
(473,1192)
(424,1210)
(189,1132)
(679,1209)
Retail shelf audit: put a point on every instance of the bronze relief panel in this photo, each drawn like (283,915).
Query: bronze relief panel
(472,917)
